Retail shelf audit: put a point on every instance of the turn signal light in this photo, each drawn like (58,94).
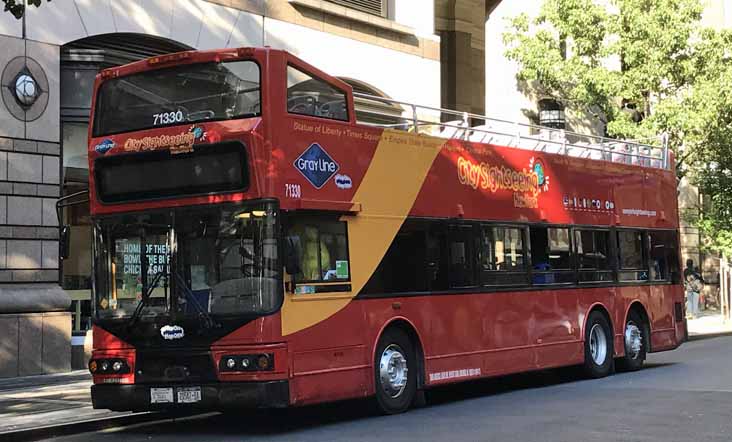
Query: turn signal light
(239,363)
(263,362)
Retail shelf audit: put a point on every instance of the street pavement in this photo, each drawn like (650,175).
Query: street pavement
(683,395)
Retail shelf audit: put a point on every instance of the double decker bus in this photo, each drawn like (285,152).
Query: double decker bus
(256,246)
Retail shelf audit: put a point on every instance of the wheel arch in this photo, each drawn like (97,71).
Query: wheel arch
(410,330)
(638,307)
(598,307)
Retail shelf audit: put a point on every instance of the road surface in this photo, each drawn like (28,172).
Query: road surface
(683,395)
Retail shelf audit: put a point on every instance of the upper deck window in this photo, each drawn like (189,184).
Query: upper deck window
(307,95)
(178,95)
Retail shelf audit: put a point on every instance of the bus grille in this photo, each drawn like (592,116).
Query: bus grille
(174,367)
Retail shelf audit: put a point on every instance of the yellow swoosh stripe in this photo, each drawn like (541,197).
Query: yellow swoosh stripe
(386,194)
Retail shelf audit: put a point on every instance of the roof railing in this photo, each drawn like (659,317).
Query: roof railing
(430,120)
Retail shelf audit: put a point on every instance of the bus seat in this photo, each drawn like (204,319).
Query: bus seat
(452,129)
(481,134)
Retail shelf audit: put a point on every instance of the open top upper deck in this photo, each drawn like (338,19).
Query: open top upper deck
(306,139)
(451,124)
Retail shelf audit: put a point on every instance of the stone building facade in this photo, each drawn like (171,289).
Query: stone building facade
(48,62)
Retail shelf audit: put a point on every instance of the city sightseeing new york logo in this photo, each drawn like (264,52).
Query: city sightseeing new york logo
(526,184)
(538,167)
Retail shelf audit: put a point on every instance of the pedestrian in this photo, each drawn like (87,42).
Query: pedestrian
(693,283)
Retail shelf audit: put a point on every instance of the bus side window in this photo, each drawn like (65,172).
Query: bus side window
(502,256)
(551,255)
(308,95)
(322,248)
(463,247)
(664,258)
(415,262)
(592,248)
(632,256)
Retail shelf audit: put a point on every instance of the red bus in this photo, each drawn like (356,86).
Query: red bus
(255,246)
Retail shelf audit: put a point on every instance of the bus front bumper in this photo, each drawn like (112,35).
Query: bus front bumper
(216,396)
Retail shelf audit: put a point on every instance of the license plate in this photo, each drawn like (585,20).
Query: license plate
(161,395)
(188,395)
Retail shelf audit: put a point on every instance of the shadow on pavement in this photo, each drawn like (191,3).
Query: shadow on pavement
(273,422)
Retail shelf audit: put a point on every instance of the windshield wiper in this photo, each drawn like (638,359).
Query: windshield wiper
(205,317)
(147,292)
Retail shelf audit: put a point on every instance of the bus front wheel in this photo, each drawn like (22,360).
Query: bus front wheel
(598,346)
(395,372)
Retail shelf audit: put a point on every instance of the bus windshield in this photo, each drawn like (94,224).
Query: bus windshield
(215,260)
(178,95)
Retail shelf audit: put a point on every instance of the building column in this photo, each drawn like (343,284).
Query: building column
(461,26)
(34,321)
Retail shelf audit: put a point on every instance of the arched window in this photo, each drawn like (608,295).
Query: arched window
(80,62)
(370,110)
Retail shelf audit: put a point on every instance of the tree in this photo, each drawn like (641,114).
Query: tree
(642,68)
(17,7)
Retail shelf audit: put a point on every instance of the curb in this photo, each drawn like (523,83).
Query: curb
(701,337)
(37,433)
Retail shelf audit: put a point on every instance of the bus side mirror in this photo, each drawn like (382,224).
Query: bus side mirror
(292,255)
(64,242)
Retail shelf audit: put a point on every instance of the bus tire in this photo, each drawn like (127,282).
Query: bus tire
(395,372)
(635,339)
(598,346)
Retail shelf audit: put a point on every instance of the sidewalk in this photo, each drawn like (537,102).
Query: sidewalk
(35,405)
(710,322)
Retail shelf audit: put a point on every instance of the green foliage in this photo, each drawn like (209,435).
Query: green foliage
(17,7)
(643,68)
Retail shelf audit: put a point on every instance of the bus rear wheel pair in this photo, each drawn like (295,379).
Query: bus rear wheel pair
(395,367)
(599,360)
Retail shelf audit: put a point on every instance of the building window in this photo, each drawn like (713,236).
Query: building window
(551,114)
(375,7)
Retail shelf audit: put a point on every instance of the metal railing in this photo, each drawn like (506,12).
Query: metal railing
(431,121)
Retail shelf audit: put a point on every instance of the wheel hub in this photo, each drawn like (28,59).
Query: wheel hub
(393,371)
(633,340)
(598,344)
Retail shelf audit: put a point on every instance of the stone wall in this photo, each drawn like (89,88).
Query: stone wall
(29,187)
(35,330)
(35,343)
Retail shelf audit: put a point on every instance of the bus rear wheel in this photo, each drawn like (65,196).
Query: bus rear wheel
(598,346)
(395,372)
(635,337)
